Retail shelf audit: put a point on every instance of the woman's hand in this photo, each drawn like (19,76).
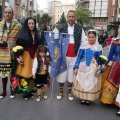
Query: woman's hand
(75,71)
(34,77)
(97,73)
(20,60)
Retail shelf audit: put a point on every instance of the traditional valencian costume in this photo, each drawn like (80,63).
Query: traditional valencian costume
(111,76)
(77,36)
(8,36)
(25,39)
(86,85)
(40,70)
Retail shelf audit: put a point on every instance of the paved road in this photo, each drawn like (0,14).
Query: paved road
(53,109)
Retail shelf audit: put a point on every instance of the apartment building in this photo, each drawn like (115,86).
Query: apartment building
(60,8)
(102,11)
(20,8)
(52,10)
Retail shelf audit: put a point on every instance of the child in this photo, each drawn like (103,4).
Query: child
(40,71)
(87,84)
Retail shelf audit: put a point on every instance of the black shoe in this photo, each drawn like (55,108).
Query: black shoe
(118,113)
(25,97)
(83,102)
(87,102)
(31,96)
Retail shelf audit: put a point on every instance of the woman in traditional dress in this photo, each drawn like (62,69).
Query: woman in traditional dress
(111,76)
(87,83)
(29,39)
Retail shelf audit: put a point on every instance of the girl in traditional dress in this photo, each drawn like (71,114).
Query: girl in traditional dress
(40,72)
(87,83)
(29,39)
(111,76)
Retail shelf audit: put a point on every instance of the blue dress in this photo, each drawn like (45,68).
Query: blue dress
(86,85)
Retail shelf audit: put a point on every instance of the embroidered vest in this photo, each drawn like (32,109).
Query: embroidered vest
(77,34)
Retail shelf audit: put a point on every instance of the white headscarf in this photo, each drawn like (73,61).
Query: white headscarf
(96,47)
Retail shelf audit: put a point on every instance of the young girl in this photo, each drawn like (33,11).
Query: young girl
(87,84)
(40,72)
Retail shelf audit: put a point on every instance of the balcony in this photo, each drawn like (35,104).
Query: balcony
(82,3)
(23,5)
(30,9)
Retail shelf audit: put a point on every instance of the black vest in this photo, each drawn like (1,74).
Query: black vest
(77,34)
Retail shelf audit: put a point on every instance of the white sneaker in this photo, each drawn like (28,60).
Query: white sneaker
(1,97)
(26,98)
(45,96)
(70,98)
(59,97)
(12,96)
(118,113)
(38,98)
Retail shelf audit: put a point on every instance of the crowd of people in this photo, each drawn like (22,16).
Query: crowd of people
(86,78)
(105,39)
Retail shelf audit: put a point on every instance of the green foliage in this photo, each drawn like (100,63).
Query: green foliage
(39,19)
(83,15)
(62,19)
(46,19)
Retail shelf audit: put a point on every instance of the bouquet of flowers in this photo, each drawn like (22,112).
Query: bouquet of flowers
(102,59)
(18,51)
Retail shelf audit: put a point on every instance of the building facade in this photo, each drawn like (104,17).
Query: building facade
(22,8)
(52,10)
(102,11)
(60,8)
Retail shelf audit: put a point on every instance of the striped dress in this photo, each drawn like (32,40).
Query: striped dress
(10,35)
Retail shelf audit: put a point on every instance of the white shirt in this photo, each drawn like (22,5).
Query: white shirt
(71,32)
(35,65)
(7,24)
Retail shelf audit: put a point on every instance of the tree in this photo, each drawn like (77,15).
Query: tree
(62,19)
(39,20)
(45,19)
(83,15)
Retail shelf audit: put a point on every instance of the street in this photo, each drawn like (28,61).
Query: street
(53,109)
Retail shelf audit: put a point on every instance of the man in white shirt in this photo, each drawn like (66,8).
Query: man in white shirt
(77,36)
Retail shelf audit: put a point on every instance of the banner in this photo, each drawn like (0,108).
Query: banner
(57,50)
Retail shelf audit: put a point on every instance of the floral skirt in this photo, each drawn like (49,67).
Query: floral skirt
(109,89)
(23,85)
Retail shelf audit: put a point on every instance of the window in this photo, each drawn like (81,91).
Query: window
(92,3)
(103,11)
(104,3)
(30,3)
(98,3)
